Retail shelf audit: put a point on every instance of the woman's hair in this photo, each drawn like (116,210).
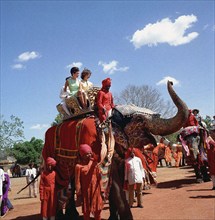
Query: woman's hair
(74,70)
(85,72)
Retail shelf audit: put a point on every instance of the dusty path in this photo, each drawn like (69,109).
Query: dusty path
(176,197)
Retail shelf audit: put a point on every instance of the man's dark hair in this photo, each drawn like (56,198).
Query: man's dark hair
(74,70)
(85,72)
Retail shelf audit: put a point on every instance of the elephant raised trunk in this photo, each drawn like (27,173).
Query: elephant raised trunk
(160,126)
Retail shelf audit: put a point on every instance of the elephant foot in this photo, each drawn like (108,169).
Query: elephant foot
(207,180)
(71,215)
(60,215)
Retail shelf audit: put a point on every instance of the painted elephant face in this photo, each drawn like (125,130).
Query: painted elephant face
(137,134)
(193,144)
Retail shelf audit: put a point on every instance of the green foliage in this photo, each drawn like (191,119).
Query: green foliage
(208,121)
(173,137)
(28,151)
(58,120)
(11,132)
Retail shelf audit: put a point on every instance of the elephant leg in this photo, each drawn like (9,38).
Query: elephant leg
(118,204)
(112,206)
(71,212)
(205,175)
(198,173)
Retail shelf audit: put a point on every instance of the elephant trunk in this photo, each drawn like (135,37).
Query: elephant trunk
(160,126)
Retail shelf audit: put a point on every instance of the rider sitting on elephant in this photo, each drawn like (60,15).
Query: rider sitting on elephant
(191,121)
(74,85)
(105,100)
(85,85)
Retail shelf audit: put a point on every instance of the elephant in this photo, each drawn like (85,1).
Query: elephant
(132,126)
(193,140)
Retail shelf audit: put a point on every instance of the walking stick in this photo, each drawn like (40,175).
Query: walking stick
(29,183)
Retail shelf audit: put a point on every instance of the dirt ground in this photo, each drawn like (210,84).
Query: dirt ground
(176,197)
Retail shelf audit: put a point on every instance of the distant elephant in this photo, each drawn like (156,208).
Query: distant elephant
(194,142)
(132,126)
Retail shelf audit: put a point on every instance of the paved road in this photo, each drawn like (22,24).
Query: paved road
(176,197)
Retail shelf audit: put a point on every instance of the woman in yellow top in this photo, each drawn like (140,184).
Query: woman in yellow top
(85,85)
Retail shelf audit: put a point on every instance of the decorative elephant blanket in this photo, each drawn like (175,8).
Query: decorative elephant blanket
(62,142)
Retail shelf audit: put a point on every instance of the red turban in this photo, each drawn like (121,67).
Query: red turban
(84,149)
(51,161)
(106,82)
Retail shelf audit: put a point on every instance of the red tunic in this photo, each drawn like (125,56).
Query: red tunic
(48,194)
(104,101)
(153,154)
(191,121)
(88,185)
(211,156)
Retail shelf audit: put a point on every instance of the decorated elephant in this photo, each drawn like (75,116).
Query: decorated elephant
(132,126)
(194,142)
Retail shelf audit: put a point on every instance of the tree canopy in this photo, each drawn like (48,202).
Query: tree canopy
(11,132)
(28,151)
(147,97)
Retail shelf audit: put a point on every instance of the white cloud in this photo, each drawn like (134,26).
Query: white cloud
(112,67)
(39,126)
(166,31)
(26,56)
(18,66)
(168,78)
(77,64)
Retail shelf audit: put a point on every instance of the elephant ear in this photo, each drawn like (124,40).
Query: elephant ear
(120,136)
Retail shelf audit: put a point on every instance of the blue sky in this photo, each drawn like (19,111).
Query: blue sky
(132,42)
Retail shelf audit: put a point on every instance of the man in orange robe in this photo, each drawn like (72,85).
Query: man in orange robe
(168,155)
(48,196)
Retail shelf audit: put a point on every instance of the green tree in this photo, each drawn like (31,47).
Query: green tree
(11,132)
(58,120)
(208,121)
(28,151)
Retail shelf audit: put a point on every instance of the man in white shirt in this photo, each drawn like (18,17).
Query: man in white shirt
(1,186)
(134,174)
(30,174)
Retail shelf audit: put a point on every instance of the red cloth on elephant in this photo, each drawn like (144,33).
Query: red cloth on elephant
(62,142)
(191,121)
(211,155)
(104,100)
(48,194)
(88,185)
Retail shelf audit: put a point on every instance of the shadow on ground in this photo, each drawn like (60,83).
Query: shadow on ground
(202,197)
(176,183)
(29,217)
(38,217)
